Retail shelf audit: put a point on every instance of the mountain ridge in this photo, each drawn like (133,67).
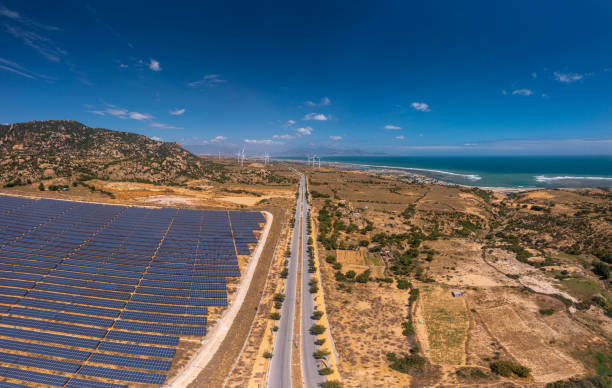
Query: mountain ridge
(35,150)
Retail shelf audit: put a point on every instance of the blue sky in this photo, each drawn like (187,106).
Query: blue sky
(404,78)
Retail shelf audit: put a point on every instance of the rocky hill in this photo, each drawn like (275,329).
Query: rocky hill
(38,150)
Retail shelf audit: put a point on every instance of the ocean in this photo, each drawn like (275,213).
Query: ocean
(496,171)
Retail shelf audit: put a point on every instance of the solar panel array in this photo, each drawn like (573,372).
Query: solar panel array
(108,291)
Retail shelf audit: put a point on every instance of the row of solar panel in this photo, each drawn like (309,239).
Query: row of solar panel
(143,350)
(104,312)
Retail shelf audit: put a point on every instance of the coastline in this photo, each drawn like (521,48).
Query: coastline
(407,174)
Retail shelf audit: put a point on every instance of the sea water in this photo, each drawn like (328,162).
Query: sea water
(496,171)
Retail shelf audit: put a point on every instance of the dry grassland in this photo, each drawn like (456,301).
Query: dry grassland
(447,324)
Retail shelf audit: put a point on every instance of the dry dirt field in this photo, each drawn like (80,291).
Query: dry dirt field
(526,300)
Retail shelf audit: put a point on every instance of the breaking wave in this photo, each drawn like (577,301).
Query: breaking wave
(546,179)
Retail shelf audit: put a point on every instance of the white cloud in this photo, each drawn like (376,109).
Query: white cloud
(140,116)
(304,131)
(164,126)
(8,13)
(262,141)
(207,80)
(178,112)
(215,139)
(400,137)
(567,78)
(335,138)
(284,137)
(420,106)
(325,101)
(123,66)
(14,68)
(316,116)
(392,127)
(534,75)
(289,123)
(505,92)
(156,138)
(123,114)
(154,65)
(522,92)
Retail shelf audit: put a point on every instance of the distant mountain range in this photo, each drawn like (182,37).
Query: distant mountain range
(37,150)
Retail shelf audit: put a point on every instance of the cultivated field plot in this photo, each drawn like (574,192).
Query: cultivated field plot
(99,296)
(524,344)
(447,325)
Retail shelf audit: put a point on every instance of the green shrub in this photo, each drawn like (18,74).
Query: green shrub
(317,329)
(350,274)
(331,384)
(547,311)
(41,186)
(507,368)
(279,298)
(363,277)
(267,355)
(320,353)
(284,273)
(337,266)
(320,341)
(406,363)
(330,259)
(408,329)
(325,371)
(403,284)
(275,316)
(317,314)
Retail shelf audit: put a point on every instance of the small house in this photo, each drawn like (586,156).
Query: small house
(457,294)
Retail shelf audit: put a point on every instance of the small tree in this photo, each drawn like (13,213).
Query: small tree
(41,186)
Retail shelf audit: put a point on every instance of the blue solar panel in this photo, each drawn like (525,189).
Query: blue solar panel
(83,263)
(44,349)
(122,375)
(80,383)
(4,384)
(35,377)
(53,326)
(163,318)
(141,350)
(69,307)
(52,315)
(143,338)
(139,363)
(42,363)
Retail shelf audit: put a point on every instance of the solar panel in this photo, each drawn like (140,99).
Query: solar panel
(143,338)
(123,375)
(35,377)
(69,307)
(80,383)
(71,267)
(42,363)
(53,326)
(52,315)
(5,384)
(141,350)
(56,351)
(133,362)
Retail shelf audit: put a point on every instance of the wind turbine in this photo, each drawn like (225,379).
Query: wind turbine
(266,158)
(242,157)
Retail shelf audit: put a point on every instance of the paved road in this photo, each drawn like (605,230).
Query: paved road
(310,365)
(279,375)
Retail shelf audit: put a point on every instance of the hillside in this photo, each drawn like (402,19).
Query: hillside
(38,150)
